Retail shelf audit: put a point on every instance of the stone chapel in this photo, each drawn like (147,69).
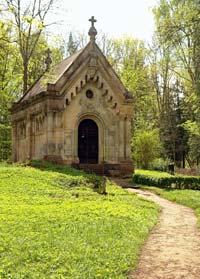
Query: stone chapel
(77,113)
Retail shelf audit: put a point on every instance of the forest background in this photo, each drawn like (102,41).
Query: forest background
(163,76)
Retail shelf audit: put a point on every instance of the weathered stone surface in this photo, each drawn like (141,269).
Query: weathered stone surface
(46,119)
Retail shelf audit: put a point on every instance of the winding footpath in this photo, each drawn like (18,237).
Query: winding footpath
(172,250)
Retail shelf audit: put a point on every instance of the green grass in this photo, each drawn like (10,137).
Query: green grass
(3,164)
(158,174)
(51,228)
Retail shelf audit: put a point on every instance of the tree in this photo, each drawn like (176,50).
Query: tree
(178,29)
(178,23)
(9,85)
(194,142)
(11,77)
(128,56)
(72,45)
(135,73)
(169,98)
(29,20)
(146,147)
(37,65)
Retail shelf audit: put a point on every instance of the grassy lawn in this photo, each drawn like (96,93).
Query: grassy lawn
(158,174)
(53,225)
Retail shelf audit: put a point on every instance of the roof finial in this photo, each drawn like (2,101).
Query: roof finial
(48,60)
(92,32)
(92,20)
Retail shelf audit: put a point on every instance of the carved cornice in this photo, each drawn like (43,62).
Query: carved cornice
(93,77)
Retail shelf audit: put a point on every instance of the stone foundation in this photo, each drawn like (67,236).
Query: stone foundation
(124,169)
(54,159)
(110,170)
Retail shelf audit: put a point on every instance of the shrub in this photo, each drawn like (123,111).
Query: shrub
(165,180)
(146,147)
(160,164)
(95,180)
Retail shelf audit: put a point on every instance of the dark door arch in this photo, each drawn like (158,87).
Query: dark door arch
(88,142)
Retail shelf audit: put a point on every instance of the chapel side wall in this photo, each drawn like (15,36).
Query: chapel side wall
(47,131)
(22,151)
(29,133)
(37,133)
(128,140)
(20,142)
(54,136)
(14,142)
(125,137)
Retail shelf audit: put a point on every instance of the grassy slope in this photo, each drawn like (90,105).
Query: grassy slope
(48,230)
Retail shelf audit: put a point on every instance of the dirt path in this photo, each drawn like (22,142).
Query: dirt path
(172,250)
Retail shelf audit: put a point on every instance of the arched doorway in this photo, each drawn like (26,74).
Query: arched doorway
(88,142)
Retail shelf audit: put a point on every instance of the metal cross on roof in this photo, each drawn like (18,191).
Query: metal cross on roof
(92,32)
(92,20)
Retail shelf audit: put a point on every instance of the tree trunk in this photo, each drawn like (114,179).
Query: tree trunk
(183,159)
(25,76)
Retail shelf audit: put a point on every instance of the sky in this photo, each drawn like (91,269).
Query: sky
(114,17)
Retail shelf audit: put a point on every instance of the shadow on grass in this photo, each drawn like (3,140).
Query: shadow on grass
(48,166)
(98,184)
(148,187)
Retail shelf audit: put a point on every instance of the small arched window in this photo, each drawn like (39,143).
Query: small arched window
(89,94)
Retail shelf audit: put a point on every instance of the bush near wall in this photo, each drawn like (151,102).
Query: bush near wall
(5,142)
(165,180)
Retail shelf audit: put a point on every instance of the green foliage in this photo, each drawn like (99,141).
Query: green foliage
(37,65)
(28,22)
(178,32)
(193,130)
(3,164)
(9,85)
(11,76)
(50,229)
(170,102)
(5,141)
(160,164)
(146,147)
(72,46)
(165,180)
(129,58)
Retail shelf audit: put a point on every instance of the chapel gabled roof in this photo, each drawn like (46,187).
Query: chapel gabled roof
(62,68)
(50,77)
